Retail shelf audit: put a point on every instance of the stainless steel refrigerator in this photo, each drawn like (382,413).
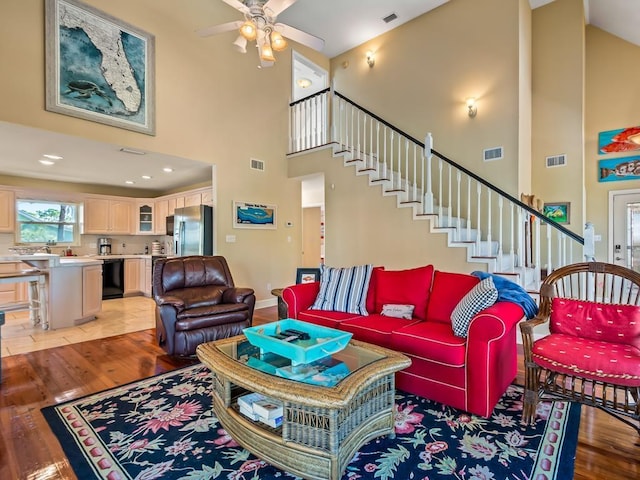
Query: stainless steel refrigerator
(193,230)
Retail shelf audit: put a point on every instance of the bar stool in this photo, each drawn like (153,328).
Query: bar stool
(37,293)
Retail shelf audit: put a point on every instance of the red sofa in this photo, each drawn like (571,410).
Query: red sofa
(468,373)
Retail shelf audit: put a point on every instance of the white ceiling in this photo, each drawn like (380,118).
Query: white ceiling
(343,24)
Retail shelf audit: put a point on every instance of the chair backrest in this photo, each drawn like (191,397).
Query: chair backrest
(593,283)
(178,273)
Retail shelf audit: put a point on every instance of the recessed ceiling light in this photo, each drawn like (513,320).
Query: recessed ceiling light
(167,169)
(47,162)
(129,182)
(52,157)
(146,177)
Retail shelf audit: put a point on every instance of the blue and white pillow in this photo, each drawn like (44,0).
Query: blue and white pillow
(482,296)
(343,289)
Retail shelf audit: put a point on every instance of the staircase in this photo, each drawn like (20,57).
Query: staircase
(496,229)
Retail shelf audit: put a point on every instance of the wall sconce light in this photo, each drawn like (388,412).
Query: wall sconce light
(471,105)
(371,59)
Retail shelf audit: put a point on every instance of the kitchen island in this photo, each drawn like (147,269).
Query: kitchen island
(64,291)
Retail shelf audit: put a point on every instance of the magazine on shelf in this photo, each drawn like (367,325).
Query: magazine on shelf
(247,401)
(268,408)
(272,422)
(249,413)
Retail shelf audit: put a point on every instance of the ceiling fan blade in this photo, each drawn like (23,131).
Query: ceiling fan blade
(299,36)
(237,5)
(274,7)
(216,29)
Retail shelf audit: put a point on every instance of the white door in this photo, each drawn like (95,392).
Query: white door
(624,247)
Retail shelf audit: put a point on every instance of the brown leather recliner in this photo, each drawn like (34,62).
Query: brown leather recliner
(197,302)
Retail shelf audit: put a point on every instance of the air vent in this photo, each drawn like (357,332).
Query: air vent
(390,18)
(491,154)
(557,161)
(257,164)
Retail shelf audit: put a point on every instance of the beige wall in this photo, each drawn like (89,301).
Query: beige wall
(558,105)
(213,105)
(427,68)
(362,226)
(612,102)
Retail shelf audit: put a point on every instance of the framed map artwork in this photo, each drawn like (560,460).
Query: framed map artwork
(99,68)
(254,215)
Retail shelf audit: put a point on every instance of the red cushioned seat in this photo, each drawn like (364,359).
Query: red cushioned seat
(326,318)
(603,361)
(374,328)
(432,340)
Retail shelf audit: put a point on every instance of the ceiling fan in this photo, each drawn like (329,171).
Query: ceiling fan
(260,25)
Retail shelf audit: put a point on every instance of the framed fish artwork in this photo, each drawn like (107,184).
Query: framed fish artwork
(621,140)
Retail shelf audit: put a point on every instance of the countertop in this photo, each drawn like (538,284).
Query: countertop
(52,260)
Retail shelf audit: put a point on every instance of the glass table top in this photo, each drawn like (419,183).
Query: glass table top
(327,371)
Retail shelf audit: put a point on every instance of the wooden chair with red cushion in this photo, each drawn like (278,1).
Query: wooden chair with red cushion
(592,353)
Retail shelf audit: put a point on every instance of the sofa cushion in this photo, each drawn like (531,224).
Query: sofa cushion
(374,328)
(597,360)
(604,322)
(326,318)
(409,287)
(447,291)
(432,340)
(343,289)
(373,287)
(482,296)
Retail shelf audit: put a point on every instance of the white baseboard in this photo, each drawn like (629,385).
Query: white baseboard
(270,302)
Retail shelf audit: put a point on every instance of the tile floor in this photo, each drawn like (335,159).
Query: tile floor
(121,315)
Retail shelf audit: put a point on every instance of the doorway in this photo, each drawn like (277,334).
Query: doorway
(624,228)
(312,195)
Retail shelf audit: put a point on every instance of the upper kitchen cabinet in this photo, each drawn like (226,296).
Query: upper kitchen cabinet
(7,211)
(110,216)
(161,211)
(145,218)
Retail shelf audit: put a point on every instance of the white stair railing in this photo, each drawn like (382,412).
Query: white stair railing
(496,228)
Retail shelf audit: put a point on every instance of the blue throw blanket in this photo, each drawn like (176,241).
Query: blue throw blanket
(509,291)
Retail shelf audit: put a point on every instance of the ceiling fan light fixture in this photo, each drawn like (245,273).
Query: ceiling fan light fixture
(248,30)
(266,53)
(240,44)
(278,43)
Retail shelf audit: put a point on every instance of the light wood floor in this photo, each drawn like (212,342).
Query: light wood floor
(607,449)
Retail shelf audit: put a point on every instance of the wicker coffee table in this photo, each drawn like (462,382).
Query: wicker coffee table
(322,427)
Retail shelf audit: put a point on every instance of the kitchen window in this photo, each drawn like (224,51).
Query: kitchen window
(42,222)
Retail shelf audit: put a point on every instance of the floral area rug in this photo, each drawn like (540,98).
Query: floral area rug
(164,427)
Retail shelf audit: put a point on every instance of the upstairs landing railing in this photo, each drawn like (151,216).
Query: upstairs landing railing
(496,227)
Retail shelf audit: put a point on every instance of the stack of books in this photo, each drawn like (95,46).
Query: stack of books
(261,408)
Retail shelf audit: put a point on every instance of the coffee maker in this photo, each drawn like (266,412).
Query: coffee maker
(104,246)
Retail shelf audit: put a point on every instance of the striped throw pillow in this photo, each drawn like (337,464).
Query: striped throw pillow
(343,289)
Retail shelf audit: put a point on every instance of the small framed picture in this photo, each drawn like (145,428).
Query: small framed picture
(558,211)
(307,275)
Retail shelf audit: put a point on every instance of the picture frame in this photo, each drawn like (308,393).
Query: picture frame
(307,275)
(619,141)
(617,169)
(254,215)
(112,81)
(557,211)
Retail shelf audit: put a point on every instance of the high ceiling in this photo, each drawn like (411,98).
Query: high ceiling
(343,24)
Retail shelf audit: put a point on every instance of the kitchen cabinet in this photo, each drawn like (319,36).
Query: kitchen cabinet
(161,211)
(91,290)
(148,271)
(12,293)
(110,216)
(7,211)
(144,218)
(134,280)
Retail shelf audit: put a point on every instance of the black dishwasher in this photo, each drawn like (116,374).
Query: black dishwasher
(112,278)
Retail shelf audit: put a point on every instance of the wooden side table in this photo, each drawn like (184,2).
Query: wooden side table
(283,308)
